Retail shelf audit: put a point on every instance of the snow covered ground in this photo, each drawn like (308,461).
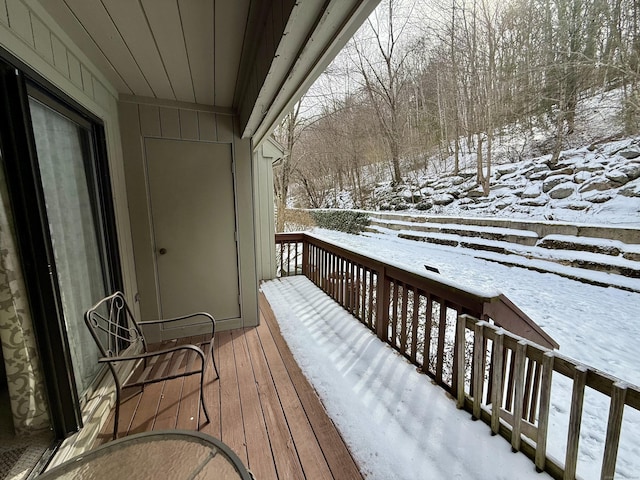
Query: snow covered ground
(595,184)
(397,424)
(537,258)
(593,325)
(594,179)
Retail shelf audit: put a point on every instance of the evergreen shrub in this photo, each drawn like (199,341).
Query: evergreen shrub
(341,220)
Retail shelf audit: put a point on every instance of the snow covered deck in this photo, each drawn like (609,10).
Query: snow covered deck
(396,423)
(313,393)
(577,416)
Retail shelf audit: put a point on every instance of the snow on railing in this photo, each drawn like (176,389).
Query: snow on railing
(493,376)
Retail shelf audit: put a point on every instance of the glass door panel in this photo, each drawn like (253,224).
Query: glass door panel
(62,148)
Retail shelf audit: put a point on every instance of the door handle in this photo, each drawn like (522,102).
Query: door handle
(162,251)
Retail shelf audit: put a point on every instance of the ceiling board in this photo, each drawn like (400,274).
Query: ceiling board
(134,29)
(163,16)
(72,27)
(96,20)
(197,24)
(230,24)
(253,56)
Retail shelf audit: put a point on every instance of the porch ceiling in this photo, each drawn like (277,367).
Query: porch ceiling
(256,57)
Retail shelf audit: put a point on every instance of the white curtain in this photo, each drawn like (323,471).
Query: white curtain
(73,230)
(22,364)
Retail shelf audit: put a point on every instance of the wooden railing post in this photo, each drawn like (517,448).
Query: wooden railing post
(478,368)
(614,425)
(575,420)
(305,256)
(545,404)
(383,292)
(442,326)
(518,365)
(426,348)
(497,381)
(461,328)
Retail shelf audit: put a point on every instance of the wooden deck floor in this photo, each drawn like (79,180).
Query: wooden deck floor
(262,407)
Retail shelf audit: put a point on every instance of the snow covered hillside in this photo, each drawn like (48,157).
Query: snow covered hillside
(594,184)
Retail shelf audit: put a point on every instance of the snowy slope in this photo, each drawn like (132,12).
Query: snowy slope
(595,180)
(596,184)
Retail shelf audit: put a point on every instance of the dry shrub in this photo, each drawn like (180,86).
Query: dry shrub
(298,220)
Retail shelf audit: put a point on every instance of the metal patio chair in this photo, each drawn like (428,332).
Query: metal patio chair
(124,349)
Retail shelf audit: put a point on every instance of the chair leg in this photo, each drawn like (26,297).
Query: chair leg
(204,405)
(215,367)
(213,359)
(116,416)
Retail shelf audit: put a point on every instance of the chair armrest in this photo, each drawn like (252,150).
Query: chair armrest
(140,356)
(183,317)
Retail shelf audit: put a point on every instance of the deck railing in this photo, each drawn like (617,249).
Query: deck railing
(499,367)
(502,363)
(416,314)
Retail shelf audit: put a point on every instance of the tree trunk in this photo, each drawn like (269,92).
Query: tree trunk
(456,153)
(486,187)
(479,160)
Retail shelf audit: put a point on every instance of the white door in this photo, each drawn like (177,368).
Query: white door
(193,214)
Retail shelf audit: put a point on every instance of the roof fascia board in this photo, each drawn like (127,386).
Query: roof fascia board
(336,23)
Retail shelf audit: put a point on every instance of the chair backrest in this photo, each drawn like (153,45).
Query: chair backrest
(113,326)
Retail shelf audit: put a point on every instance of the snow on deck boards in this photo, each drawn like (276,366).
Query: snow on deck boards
(397,424)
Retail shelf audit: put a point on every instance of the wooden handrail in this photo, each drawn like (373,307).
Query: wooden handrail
(497,306)
(515,320)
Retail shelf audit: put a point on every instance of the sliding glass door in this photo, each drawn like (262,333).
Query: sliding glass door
(59,190)
(65,160)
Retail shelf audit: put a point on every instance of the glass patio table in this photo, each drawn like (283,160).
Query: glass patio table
(174,454)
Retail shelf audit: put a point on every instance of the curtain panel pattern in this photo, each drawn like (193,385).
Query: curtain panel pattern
(22,364)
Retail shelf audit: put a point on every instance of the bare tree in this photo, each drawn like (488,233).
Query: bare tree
(287,133)
(383,73)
